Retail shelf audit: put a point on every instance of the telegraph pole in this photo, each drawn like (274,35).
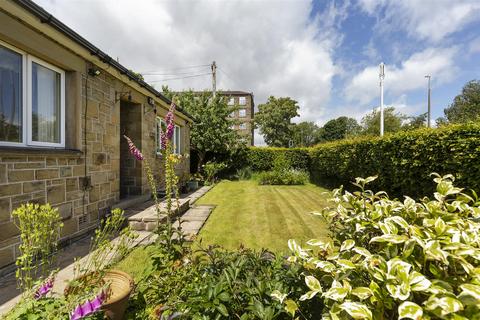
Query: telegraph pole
(429,94)
(214,79)
(381,76)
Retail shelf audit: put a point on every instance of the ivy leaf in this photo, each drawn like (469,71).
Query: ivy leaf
(291,307)
(337,293)
(419,282)
(446,304)
(362,292)
(390,238)
(410,310)
(313,283)
(309,295)
(277,295)
(470,292)
(347,245)
(325,266)
(346,264)
(356,310)
(440,226)
(362,251)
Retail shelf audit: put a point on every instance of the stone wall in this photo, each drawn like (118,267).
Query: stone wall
(83,185)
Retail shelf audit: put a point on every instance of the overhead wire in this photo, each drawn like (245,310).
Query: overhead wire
(179,78)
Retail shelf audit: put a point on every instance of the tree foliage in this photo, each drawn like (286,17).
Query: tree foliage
(339,128)
(274,120)
(465,106)
(305,134)
(392,121)
(211,130)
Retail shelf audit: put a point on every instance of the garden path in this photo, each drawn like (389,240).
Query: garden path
(192,221)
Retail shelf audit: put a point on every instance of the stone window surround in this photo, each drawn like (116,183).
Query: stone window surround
(27,61)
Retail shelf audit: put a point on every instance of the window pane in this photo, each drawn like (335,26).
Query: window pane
(10,96)
(177,140)
(242,101)
(242,113)
(45,104)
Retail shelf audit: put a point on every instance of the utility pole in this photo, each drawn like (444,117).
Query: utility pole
(429,94)
(214,79)
(381,76)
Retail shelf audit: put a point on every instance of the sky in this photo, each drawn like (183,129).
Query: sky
(323,54)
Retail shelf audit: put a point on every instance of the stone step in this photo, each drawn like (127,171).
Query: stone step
(148,219)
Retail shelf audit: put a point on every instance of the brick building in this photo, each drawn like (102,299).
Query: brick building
(64,106)
(244,114)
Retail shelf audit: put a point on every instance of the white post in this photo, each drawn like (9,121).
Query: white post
(381,76)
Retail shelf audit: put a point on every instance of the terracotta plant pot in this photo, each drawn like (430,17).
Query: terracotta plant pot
(121,285)
(119,290)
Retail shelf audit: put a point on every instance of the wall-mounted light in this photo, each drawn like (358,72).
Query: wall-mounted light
(150,101)
(93,72)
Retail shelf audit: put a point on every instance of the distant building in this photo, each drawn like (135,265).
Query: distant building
(244,114)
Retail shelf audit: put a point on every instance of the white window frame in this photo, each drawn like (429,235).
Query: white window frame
(240,101)
(27,141)
(242,126)
(24,98)
(42,63)
(240,113)
(158,144)
(179,146)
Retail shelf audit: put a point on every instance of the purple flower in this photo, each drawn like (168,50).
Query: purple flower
(133,149)
(44,289)
(169,121)
(89,307)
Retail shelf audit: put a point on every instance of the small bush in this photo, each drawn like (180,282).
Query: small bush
(263,159)
(212,169)
(390,259)
(244,173)
(283,177)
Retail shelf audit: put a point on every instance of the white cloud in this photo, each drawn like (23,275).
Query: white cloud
(269,48)
(474,46)
(408,76)
(425,20)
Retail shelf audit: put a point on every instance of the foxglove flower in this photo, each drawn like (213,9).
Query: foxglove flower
(133,149)
(169,121)
(45,288)
(89,307)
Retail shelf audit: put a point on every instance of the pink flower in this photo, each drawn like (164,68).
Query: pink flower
(169,121)
(89,307)
(45,288)
(133,149)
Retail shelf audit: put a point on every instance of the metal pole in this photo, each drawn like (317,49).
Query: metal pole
(429,94)
(381,76)
(214,79)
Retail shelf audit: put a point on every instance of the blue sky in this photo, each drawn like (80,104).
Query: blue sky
(372,31)
(324,54)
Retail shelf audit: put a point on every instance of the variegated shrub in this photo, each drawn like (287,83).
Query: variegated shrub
(388,259)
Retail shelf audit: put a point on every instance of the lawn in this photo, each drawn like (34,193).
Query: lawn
(263,216)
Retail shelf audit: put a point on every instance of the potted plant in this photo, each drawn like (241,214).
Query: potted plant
(111,288)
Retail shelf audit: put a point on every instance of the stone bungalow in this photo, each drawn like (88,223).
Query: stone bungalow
(64,106)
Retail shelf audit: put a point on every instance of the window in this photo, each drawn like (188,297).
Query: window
(242,126)
(176,140)
(161,127)
(242,101)
(32,100)
(242,113)
(231,101)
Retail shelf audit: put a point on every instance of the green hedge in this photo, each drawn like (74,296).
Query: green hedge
(262,159)
(403,161)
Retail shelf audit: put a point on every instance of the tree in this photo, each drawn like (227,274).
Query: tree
(212,130)
(465,106)
(274,120)
(416,122)
(392,122)
(305,134)
(339,128)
